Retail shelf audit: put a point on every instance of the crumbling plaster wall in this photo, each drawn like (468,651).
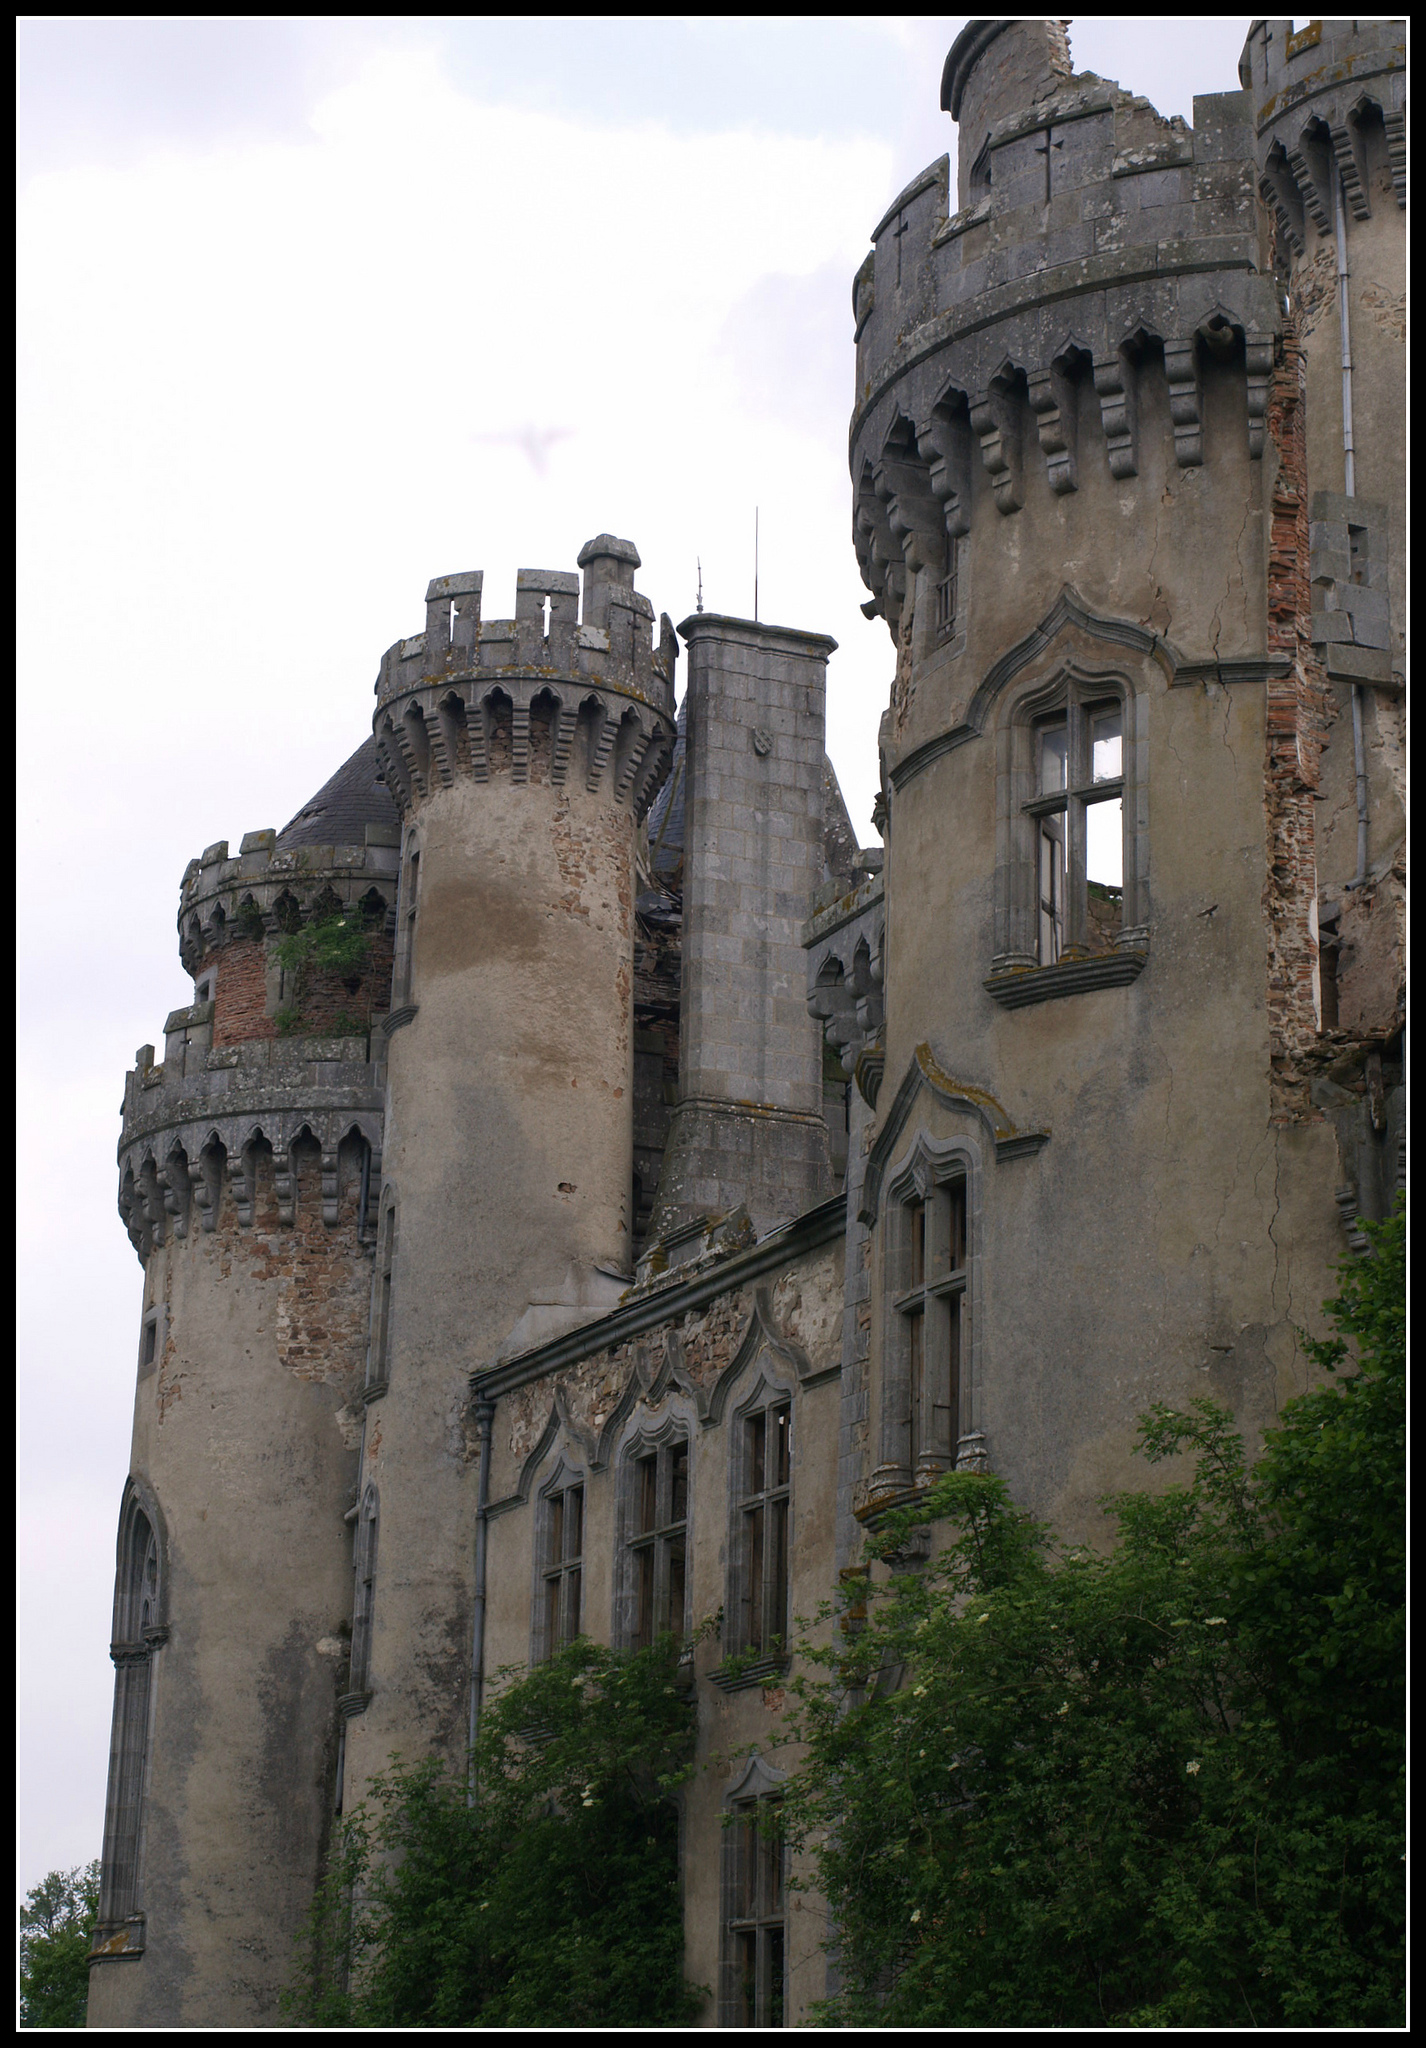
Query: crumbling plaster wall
(246,1429)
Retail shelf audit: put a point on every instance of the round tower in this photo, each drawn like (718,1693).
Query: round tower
(249,1162)
(522,753)
(1078,474)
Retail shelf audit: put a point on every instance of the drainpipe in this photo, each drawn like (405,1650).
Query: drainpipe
(484,1417)
(1349,469)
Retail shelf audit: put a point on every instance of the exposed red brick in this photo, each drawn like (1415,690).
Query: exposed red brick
(1298,712)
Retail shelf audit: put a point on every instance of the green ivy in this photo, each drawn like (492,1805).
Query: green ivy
(56,1929)
(1161,1787)
(546,1896)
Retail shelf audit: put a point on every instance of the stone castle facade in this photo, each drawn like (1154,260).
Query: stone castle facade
(665,1186)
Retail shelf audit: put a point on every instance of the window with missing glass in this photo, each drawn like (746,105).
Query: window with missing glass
(559,1612)
(1077,810)
(755,1934)
(656,1544)
(1072,842)
(762,1507)
(931,1314)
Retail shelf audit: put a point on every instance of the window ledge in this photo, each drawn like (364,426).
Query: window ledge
(743,1677)
(1021,986)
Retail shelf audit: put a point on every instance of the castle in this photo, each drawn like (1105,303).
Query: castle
(658,1187)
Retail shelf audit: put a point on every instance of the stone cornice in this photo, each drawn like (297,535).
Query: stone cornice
(757,633)
(668,1301)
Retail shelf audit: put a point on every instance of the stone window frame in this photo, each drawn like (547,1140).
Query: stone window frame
(1018,975)
(383,1295)
(150,1340)
(759,1787)
(770,1393)
(555,1574)
(932,1164)
(408,908)
(140,1629)
(643,1439)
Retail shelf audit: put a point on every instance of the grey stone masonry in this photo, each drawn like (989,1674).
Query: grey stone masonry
(195,1120)
(472,695)
(1351,605)
(1093,244)
(748,1126)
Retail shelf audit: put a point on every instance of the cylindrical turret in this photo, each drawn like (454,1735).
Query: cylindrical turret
(1078,474)
(248,1168)
(522,753)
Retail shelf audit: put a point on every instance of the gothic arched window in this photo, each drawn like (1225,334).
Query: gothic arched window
(139,1633)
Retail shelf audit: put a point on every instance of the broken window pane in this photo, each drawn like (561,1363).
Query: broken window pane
(1054,758)
(1104,864)
(1107,745)
(1052,889)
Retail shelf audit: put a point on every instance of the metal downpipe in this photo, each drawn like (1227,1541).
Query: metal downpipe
(484,1419)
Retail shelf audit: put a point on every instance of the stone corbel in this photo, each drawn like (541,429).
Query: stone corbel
(1052,400)
(1185,401)
(995,418)
(1351,169)
(1260,357)
(241,1183)
(329,1186)
(1116,383)
(942,447)
(177,1191)
(284,1174)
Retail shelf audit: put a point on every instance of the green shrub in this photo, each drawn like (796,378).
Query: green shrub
(1162,1787)
(548,1896)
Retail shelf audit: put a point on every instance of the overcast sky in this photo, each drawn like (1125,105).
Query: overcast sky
(310,312)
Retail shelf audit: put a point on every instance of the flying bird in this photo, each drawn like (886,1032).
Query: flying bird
(534,443)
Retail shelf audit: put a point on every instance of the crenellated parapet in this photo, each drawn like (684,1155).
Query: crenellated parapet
(197,1124)
(271,889)
(549,695)
(1094,246)
(1329,100)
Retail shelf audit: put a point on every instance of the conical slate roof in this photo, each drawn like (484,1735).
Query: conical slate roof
(340,812)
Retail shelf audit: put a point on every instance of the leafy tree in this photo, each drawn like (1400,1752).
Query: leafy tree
(551,1898)
(1161,1787)
(56,1928)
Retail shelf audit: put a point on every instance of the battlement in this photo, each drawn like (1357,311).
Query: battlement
(1328,99)
(535,696)
(1095,243)
(268,889)
(195,1122)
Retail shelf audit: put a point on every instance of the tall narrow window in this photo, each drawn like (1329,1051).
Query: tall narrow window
(756,1932)
(562,1565)
(658,1542)
(931,1317)
(1078,812)
(364,1597)
(410,902)
(378,1368)
(763,1508)
(138,1635)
